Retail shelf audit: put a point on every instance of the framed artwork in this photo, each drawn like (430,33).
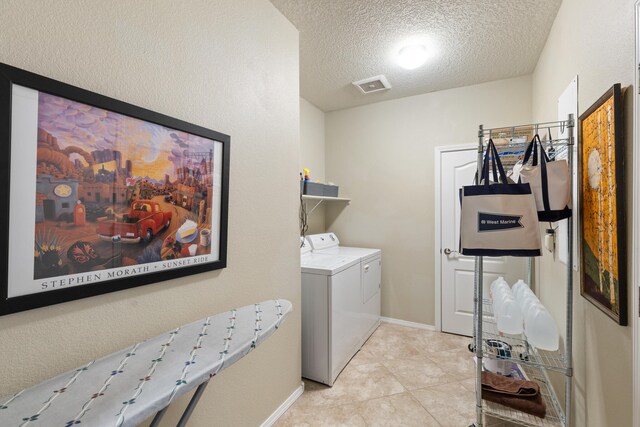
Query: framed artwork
(100,195)
(602,206)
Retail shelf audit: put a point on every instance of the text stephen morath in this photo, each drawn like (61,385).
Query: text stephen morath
(114,274)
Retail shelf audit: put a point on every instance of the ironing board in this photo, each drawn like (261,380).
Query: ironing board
(128,386)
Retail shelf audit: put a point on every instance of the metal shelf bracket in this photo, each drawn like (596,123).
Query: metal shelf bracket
(316,205)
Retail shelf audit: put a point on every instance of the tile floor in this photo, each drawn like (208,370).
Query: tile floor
(401,377)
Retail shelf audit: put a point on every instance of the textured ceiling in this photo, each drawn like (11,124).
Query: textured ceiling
(476,41)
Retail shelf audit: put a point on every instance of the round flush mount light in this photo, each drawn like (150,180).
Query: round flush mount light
(412,56)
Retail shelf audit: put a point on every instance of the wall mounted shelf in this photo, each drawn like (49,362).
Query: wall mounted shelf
(320,199)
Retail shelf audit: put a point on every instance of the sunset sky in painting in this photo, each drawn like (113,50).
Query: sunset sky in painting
(152,148)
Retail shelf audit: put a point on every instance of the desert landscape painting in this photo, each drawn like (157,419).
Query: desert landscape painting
(114,191)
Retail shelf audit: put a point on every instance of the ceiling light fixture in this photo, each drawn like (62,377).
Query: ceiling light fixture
(412,56)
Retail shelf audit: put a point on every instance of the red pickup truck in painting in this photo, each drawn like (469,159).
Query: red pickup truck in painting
(143,221)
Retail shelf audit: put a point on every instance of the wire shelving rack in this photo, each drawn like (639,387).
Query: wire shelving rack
(511,143)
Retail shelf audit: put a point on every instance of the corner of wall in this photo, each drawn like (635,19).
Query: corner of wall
(312,156)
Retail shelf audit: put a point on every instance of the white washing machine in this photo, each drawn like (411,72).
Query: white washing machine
(370,276)
(336,320)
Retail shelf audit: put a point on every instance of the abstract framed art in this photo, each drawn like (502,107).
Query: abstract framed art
(100,195)
(602,206)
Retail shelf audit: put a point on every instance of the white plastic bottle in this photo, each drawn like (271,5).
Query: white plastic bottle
(541,329)
(525,299)
(509,320)
(519,288)
(499,282)
(505,308)
(497,291)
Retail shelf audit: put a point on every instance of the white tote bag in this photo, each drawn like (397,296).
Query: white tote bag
(498,219)
(550,183)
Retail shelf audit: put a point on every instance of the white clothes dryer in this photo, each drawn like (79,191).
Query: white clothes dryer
(340,304)
(370,275)
(330,313)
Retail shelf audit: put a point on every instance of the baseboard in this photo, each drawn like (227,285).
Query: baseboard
(408,324)
(283,408)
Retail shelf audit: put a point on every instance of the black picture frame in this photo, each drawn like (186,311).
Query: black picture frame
(10,77)
(593,173)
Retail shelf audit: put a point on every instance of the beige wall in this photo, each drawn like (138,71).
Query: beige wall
(594,39)
(382,156)
(312,156)
(226,65)
(312,139)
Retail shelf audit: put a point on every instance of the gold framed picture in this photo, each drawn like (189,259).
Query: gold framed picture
(602,206)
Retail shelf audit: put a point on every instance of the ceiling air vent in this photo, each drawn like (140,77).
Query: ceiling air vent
(372,84)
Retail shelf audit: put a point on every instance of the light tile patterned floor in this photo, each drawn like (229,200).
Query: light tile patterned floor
(401,377)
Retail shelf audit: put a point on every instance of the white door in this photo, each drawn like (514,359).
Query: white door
(457,168)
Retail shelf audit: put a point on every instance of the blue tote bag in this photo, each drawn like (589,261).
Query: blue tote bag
(498,218)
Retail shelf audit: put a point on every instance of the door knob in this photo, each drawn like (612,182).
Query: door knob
(448,251)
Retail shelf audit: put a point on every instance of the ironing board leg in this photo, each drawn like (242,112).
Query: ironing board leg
(192,404)
(158,417)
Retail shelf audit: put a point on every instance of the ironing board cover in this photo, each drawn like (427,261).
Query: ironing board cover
(128,386)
